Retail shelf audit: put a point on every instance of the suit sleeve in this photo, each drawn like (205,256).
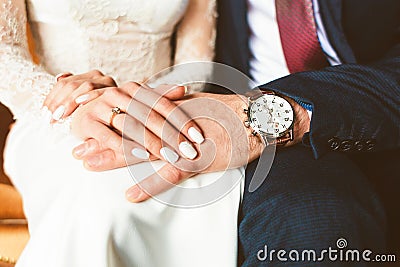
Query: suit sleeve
(356,108)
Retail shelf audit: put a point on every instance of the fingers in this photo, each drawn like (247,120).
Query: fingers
(62,75)
(96,158)
(104,160)
(104,145)
(76,98)
(169,110)
(142,125)
(158,133)
(172,92)
(152,110)
(159,182)
(139,129)
(70,91)
(133,129)
(105,138)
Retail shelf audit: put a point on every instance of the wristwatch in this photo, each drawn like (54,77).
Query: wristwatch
(271,117)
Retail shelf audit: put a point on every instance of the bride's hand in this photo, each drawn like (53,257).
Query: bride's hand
(227,143)
(96,123)
(70,91)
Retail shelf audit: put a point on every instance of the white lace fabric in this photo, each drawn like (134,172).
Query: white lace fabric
(24,85)
(128,40)
(195,42)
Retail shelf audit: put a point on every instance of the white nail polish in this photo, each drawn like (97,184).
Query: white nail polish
(187,150)
(81,99)
(169,155)
(140,153)
(185,86)
(196,135)
(58,113)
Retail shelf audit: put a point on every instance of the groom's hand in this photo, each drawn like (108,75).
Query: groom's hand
(228,143)
(222,143)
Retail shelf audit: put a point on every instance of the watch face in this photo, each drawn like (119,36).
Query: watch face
(271,114)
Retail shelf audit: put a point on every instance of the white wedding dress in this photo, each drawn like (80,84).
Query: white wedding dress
(80,218)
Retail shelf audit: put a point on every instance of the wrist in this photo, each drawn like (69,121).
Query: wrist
(302,120)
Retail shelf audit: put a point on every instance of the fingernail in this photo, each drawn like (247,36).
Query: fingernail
(93,161)
(187,150)
(58,113)
(81,99)
(62,75)
(195,135)
(134,194)
(140,153)
(79,150)
(186,88)
(169,155)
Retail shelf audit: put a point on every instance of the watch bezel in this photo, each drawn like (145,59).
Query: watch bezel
(261,132)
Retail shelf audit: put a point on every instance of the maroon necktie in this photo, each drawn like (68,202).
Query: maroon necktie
(299,37)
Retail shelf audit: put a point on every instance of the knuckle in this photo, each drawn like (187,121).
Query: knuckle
(153,146)
(165,103)
(89,86)
(133,84)
(86,117)
(174,175)
(109,80)
(111,92)
(96,72)
(70,102)
(62,83)
(150,116)
(171,136)
(104,139)
(74,85)
(131,87)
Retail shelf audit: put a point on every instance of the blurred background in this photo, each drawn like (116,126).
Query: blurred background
(13,227)
(5,121)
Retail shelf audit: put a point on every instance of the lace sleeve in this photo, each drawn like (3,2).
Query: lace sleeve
(24,85)
(195,41)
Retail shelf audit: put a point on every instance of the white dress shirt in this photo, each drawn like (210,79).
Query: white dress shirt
(268,61)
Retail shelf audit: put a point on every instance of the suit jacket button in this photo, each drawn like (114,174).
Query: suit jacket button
(346,145)
(359,146)
(370,145)
(334,143)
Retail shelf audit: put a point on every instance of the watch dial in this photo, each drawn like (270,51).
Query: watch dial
(271,114)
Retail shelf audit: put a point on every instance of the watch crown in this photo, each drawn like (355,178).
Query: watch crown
(245,110)
(247,124)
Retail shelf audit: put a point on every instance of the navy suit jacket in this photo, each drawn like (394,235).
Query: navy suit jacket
(356,105)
